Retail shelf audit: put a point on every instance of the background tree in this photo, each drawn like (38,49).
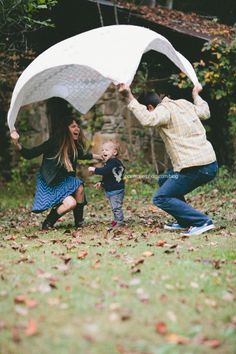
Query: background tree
(17,20)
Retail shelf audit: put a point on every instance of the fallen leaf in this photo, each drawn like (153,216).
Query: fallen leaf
(148,254)
(210,302)
(164,298)
(228,296)
(125,316)
(31,303)
(10,237)
(172,316)
(82,254)
(142,295)
(191,249)
(213,343)
(176,339)
(44,275)
(153,209)
(2,324)
(134,281)
(24,259)
(169,251)
(63,267)
(136,270)
(120,349)
(137,262)
(53,301)
(115,306)
(15,334)
(233,320)
(160,243)
(194,285)
(44,288)
(21,310)
(113,316)
(96,264)
(173,246)
(20,299)
(76,233)
(31,329)
(161,327)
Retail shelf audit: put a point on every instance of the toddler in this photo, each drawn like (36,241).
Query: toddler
(112,179)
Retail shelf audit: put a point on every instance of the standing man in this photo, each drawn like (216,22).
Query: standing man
(192,155)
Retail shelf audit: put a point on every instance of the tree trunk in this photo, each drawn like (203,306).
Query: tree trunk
(152,3)
(152,141)
(100,14)
(5,158)
(169,4)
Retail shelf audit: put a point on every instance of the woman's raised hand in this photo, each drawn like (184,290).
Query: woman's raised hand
(15,139)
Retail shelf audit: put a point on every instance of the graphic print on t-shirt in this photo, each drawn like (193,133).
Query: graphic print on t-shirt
(117,173)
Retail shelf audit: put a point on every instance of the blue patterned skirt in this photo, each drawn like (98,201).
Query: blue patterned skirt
(49,196)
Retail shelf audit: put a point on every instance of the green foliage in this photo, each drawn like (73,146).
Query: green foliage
(24,172)
(232,118)
(19,17)
(94,123)
(149,77)
(217,72)
(141,78)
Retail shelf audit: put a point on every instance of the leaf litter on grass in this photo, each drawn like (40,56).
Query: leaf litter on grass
(132,289)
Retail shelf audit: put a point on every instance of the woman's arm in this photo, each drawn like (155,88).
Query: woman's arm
(33,152)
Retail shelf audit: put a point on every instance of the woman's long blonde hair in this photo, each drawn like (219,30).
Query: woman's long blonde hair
(68,151)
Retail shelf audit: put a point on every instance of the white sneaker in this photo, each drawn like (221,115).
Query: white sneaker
(198,230)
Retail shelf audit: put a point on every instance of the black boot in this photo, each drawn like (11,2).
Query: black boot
(78,212)
(50,220)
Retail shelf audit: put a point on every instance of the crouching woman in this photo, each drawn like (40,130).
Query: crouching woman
(57,186)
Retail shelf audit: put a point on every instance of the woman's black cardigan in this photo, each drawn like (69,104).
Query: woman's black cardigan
(52,171)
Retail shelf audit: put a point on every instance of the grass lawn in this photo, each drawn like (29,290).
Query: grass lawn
(135,290)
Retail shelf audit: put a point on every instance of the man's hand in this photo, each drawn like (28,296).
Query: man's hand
(196,90)
(91,169)
(125,91)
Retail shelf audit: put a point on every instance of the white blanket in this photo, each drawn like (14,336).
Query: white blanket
(79,69)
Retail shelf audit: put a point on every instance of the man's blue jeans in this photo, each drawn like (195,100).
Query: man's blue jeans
(173,187)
